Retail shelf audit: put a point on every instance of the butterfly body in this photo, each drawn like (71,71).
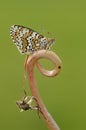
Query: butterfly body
(29,41)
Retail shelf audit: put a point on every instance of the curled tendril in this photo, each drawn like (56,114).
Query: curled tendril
(31,61)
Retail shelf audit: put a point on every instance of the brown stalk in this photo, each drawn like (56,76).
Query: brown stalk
(31,61)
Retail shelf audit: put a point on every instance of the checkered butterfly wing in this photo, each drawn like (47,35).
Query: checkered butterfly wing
(28,41)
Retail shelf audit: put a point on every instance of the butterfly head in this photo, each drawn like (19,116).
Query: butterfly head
(51,41)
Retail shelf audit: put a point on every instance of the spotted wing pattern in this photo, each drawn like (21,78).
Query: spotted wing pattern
(28,41)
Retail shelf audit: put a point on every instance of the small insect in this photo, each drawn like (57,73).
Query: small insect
(26,104)
(29,41)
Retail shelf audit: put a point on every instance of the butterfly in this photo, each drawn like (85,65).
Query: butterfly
(29,41)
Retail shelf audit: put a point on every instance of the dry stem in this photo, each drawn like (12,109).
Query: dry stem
(31,61)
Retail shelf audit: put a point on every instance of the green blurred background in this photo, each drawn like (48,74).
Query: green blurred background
(64,95)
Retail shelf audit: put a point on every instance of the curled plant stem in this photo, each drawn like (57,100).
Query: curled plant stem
(31,61)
